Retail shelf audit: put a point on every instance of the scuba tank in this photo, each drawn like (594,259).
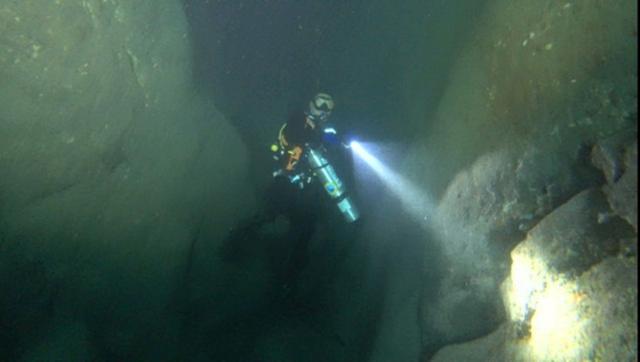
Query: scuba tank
(332,184)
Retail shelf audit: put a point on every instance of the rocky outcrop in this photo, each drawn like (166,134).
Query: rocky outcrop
(513,141)
(572,289)
(483,214)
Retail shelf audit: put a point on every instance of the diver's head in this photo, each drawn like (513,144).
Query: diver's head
(320,107)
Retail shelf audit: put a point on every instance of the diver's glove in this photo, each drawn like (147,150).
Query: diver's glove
(330,136)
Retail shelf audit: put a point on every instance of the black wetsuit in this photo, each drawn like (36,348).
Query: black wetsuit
(300,206)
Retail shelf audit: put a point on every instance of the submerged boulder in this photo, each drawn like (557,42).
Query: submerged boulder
(578,234)
(571,293)
(593,317)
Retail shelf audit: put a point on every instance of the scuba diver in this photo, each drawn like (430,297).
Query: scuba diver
(303,131)
(301,175)
(300,153)
(300,161)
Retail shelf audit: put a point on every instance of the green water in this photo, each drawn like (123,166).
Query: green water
(134,147)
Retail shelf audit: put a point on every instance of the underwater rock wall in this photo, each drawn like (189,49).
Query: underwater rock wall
(112,170)
(537,90)
(572,289)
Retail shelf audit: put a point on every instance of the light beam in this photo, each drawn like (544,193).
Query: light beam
(413,200)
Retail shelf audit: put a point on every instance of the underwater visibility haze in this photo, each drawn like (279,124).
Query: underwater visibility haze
(280,180)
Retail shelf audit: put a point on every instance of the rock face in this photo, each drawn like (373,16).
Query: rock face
(110,169)
(571,293)
(578,234)
(485,212)
(533,139)
(593,317)
(572,289)
(570,296)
